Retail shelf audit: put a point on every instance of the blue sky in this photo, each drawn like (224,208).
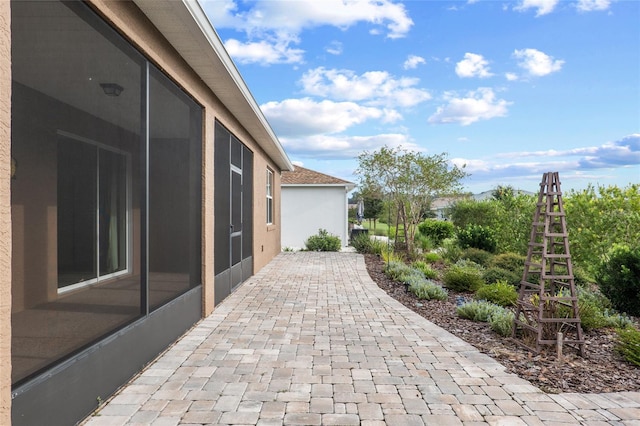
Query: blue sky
(511,89)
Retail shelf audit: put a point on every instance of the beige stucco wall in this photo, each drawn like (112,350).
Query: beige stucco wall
(5,213)
(133,25)
(266,243)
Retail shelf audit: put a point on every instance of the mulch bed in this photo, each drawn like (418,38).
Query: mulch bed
(601,370)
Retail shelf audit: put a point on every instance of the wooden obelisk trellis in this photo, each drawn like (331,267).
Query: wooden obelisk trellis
(547,308)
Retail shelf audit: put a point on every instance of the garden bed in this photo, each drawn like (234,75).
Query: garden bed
(601,370)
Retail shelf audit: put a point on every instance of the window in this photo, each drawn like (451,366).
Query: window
(269,197)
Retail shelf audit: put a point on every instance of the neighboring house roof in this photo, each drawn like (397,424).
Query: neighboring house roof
(301,176)
(186,26)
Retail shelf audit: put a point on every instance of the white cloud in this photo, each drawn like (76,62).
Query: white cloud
(543,7)
(481,104)
(304,117)
(279,23)
(334,48)
(589,162)
(537,63)
(591,5)
(511,76)
(413,61)
(473,65)
(344,147)
(263,52)
(375,88)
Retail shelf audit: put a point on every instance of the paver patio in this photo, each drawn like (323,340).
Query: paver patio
(312,340)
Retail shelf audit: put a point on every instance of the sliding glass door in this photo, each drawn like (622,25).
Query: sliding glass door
(92,213)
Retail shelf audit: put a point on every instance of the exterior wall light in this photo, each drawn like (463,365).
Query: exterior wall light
(111,89)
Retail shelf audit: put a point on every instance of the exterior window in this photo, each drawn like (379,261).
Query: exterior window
(269,197)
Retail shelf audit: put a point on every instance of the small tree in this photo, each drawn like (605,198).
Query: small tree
(409,180)
(373,207)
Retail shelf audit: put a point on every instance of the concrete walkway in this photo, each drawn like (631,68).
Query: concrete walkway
(312,340)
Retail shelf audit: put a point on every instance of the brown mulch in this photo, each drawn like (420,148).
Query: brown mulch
(601,370)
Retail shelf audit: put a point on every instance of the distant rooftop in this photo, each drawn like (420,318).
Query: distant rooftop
(302,176)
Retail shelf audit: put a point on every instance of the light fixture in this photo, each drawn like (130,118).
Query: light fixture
(111,89)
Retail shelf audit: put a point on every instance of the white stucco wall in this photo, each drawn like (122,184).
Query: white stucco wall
(306,209)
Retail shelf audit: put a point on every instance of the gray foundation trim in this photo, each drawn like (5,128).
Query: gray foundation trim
(69,392)
(247,268)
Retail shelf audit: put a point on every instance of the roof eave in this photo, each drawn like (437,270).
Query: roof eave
(186,26)
(347,185)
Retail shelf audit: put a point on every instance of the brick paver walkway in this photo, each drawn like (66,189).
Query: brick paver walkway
(312,340)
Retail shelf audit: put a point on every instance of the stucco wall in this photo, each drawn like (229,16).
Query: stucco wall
(306,209)
(266,237)
(5,213)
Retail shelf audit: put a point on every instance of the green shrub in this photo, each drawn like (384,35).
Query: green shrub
(396,270)
(367,245)
(613,319)
(594,310)
(468,211)
(502,322)
(424,243)
(450,250)
(323,242)
(496,274)
(362,243)
(428,290)
(581,277)
(619,278)
(436,230)
(426,269)
(481,257)
(510,261)
(463,276)
(477,236)
(628,345)
(477,310)
(431,257)
(501,293)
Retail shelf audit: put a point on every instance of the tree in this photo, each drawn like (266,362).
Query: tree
(373,205)
(501,193)
(409,180)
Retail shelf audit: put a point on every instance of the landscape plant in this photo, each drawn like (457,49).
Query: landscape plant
(323,241)
(502,322)
(618,276)
(398,270)
(463,276)
(628,344)
(477,236)
(599,217)
(500,319)
(431,257)
(509,216)
(428,290)
(426,269)
(477,310)
(495,274)
(436,230)
(510,261)
(450,250)
(501,293)
(479,256)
